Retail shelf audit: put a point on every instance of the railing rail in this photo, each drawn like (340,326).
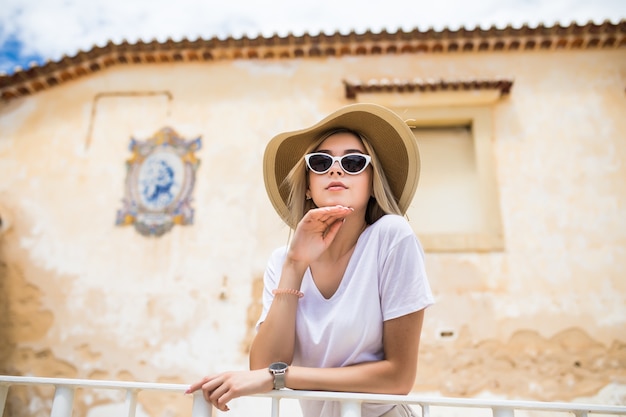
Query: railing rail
(350,402)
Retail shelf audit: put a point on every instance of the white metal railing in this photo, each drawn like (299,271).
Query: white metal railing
(64,389)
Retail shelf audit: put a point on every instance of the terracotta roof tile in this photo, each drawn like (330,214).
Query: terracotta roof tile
(526,38)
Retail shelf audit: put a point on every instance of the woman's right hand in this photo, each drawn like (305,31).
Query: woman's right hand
(315,232)
(219,389)
(275,339)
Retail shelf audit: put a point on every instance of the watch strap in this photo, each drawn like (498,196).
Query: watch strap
(279,380)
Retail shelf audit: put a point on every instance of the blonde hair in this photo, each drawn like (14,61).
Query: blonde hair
(382,201)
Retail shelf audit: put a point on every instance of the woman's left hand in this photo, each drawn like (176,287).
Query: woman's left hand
(219,389)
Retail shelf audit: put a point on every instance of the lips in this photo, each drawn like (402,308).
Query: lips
(336,186)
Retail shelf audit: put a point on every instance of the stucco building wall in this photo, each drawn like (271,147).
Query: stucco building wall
(545,318)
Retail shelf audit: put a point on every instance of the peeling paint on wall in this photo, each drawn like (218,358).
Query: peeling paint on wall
(563,367)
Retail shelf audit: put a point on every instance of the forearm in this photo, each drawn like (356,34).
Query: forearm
(393,375)
(275,339)
(381,377)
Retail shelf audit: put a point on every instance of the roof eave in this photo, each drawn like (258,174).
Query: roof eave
(606,35)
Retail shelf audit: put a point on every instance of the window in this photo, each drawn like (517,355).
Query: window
(456,206)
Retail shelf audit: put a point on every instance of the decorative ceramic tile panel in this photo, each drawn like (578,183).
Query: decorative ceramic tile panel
(160,179)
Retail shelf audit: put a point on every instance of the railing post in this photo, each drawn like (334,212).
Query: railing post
(4,391)
(425,410)
(131,402)
(580,413)
(275,407)
(200,407)
(350,409)
(502,412)
(63,401)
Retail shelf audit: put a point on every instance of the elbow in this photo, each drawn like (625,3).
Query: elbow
(402,383)
(401,388)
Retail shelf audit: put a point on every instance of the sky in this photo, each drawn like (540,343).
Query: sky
(37,31)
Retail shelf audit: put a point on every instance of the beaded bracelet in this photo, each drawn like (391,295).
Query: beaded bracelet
(290,291)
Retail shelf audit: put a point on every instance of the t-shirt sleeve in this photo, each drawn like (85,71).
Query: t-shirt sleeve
(404,286)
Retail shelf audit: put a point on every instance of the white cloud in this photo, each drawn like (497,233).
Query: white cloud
(53,28)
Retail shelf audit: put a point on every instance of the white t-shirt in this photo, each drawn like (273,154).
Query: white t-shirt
(384,279)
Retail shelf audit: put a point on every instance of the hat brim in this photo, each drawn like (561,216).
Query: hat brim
(390,137)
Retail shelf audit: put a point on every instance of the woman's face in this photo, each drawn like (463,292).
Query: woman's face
(335,187)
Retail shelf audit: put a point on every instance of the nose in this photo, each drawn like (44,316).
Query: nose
(336,168)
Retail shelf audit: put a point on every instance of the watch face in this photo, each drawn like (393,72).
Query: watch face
(278,366)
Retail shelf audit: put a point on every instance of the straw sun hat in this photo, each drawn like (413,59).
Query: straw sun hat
(392,140)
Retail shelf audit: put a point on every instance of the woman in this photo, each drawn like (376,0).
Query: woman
(344,302)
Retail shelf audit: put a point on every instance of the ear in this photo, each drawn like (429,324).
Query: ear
(308,195)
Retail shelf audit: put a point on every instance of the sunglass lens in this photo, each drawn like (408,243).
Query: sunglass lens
(353,163)
(320,163)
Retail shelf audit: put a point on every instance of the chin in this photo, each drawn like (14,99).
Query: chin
(332,203)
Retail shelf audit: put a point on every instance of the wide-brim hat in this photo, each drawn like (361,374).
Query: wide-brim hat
(390,137)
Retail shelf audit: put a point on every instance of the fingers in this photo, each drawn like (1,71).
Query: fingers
(196,386)
(219,389)
(217,394)
(329,215)
(333,212)
(333,230)
(333,220)
(213,391)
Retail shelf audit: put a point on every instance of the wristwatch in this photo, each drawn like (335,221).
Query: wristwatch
(278,369)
